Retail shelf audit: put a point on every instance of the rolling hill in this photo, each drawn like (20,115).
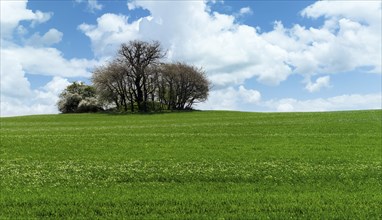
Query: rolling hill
(192,165)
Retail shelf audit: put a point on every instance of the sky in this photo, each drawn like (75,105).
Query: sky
(261,56)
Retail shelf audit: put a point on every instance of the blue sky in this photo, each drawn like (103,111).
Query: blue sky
(259,55)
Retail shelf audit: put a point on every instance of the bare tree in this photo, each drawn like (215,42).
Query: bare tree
(113,85)
(139,56)
(182,86)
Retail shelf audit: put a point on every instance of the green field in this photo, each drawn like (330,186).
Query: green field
(193,165)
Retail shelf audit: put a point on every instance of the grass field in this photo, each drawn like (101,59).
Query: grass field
(194,165)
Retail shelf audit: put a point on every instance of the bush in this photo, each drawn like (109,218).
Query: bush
(69,102)
(89,105)
(78,97)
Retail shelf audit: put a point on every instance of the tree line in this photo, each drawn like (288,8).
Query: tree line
(137,81)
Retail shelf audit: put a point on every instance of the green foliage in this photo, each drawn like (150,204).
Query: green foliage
(192,165)
(80,88)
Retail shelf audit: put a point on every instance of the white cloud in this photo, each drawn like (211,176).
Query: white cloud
(250,100)
(245,11)
(48,95)
(352,30)
(17,107)
(17,97)
(223,99)
(21,30)
(12,12)
(230,99)
(41,17)
(13,81)
(285,105)
(111,30)
(310,51)
(232,53)
(92,5)
(56,86)
(321,82)
(249,95)
(343,102)
(53,36)
(47,61)
(21,100)
(363,11)
(131,5)
(192,33)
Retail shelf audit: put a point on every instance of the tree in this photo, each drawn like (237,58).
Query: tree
(68,102)
(78,97)
(138,57)
(137,80)
(113,84)
(182,85)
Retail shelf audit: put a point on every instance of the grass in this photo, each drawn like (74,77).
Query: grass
(194,165)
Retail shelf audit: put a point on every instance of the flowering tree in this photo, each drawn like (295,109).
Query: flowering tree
(78,97)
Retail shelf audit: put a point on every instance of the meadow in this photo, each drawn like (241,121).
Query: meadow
(192,165)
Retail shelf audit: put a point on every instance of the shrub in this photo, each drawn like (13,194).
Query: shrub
(78,97)
(89,105)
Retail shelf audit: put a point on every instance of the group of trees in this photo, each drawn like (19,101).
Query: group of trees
(137,81)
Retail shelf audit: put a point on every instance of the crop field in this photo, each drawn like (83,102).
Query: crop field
(192,165)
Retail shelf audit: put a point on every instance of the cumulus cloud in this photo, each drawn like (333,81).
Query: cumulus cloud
(25,101)
(12,77)
(245,11)
(35,57)
(249,95)
(369,11)
(233,53)
(343,102)
(17,97)
(53,36)
(111,30)
(324,51)
(17,107)
(131,5)
(321,82)
(56,85)
(231,99)
(41,17)
(352,31)
(47,61)
(12,12)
